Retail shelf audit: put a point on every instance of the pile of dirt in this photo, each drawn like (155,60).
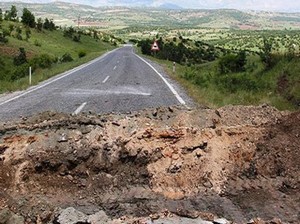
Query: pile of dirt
(236,162)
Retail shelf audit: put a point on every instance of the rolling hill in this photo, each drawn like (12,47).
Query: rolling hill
(168,16)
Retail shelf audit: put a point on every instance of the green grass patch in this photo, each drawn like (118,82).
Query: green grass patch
(44,51)
(206,86)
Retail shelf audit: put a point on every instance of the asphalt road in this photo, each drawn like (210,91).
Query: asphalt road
(119,81)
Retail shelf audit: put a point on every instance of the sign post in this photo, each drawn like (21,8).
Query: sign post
(30,75)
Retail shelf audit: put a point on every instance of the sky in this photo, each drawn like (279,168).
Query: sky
(267,5)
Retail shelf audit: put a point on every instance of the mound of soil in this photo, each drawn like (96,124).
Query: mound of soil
(236,162)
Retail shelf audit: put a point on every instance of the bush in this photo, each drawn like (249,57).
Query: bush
(21,58)
(233,63)
(37,43)
(20,72)
(66,58)
(235,82)
(81,54)
(42,61)
(3,39)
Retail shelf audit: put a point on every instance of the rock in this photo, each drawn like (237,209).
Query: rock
(175,168)
(5,214)
(72,216)
(208,184)
(16,219)
(221,221)
(98,218)
(63,138)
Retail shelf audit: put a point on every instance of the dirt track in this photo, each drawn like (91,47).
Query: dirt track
(235,162)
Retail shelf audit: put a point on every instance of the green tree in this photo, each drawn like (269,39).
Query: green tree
(13,13)
(39,24)
(19,33)
(233,63)
(1,15)
(21,58)
(28,32)
(46,24)
(7,15)
(11,27)
(266,53)
(28,18)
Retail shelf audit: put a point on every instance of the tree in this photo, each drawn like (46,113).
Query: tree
(39,24)
(233,63)
(11,28)
(46,24)
(266,53)
(13,13)
(7,15)
(21,58)
(1,15)
(19,33)
(52,25)
(28,18)
(28,32)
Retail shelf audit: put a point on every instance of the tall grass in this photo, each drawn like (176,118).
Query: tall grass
(206,86)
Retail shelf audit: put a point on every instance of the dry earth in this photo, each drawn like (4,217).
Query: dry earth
(237,162)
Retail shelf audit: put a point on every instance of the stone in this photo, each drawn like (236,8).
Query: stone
(16,219)
(5,214)
(221,221)
(71,216)
(98,218)
(208,184)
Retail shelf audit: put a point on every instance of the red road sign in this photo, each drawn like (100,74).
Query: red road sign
(154,46)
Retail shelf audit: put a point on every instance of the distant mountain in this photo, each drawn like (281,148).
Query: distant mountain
(170,6)
(122,16)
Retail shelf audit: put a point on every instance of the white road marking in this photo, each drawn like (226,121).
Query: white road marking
(179,98)
(79,109)
(115,67)
(116,91)
(63,75)
(105,80)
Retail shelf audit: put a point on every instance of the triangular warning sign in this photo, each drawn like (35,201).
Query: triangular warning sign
(154,46)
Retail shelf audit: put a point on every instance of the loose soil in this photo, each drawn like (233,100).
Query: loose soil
(236,162)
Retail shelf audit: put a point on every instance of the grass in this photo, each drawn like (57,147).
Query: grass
(52,43)
(215,96)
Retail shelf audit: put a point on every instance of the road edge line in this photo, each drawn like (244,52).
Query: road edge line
(179,98)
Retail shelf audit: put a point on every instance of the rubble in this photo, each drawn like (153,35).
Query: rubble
(169,165)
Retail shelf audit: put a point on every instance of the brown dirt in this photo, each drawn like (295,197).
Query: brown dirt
(235,162)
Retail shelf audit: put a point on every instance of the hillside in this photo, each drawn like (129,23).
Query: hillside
(47,52)
(120,17)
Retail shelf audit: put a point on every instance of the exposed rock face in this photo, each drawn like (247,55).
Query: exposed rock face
(234,162)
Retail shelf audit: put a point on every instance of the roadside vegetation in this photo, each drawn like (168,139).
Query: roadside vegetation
(218,76)
(46,48)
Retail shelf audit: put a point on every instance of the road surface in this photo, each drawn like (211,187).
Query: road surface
(119,81)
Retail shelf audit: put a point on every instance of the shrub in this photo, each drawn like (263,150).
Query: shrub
(66,58)
(21,58)
(42,61)
(20,72)
(233,63)
(3,39)
(37,43)
(81,54)
(235,82)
